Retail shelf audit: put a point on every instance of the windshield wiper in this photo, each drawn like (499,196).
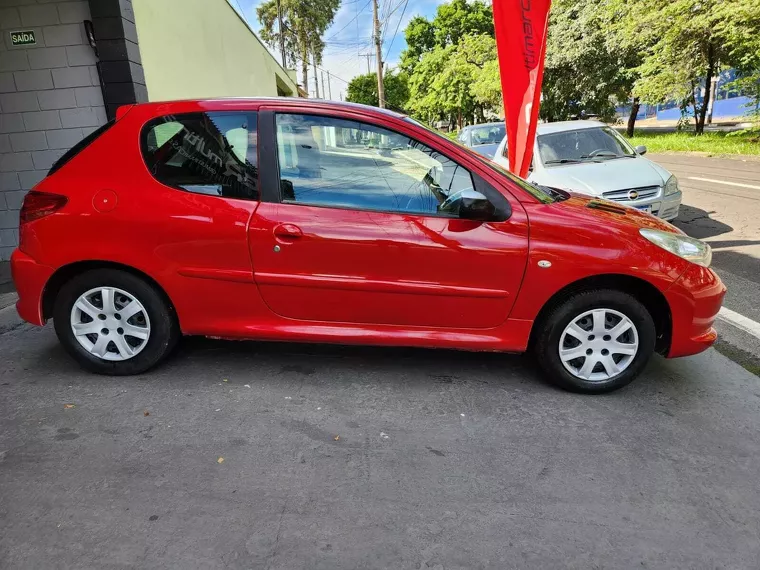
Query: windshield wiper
(563,161)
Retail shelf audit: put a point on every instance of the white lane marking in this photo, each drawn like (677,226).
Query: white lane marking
(724,182)
(740,321)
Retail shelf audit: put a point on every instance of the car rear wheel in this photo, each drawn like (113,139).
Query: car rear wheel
(595,341)
(113,322)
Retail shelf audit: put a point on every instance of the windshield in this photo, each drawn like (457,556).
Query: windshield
(538,192)
(488,134)
(582,145)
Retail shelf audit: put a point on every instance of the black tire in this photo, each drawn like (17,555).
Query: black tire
(164,328)
(549,332)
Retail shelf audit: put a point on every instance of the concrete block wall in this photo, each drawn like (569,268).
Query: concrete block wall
(50,98)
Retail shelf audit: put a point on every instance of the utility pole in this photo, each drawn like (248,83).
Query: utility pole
(379,57)
(282,36)
(368,56)
(324,93)
(329,87)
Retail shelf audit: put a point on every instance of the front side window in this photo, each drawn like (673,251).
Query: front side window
(204,153)
(581,145)
(334,162)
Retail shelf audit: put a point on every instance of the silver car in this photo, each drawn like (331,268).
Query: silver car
(484,138)
(591,158)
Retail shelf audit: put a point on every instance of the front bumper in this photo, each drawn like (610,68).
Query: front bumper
(30,278)
(665,207)
(695,299)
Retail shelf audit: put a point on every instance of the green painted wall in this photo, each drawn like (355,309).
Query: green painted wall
(202,48)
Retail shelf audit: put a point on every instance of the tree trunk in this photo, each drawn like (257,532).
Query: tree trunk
(316,76)
(305,74)
(700,128)
(304,63)
(632,117)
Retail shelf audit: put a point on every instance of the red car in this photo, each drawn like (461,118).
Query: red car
(295,220)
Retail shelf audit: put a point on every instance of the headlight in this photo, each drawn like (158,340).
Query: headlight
(671,186)
(683,246)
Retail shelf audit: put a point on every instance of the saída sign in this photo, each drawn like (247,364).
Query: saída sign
(24,38)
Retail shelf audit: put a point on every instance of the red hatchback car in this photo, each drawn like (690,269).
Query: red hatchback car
(295,220)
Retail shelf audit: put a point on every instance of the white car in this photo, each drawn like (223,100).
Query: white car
(591,158)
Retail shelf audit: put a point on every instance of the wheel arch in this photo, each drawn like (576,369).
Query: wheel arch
(646,293)
(67,272)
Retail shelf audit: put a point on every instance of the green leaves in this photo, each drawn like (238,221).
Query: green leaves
(304,24)
(451,62)
(363,89)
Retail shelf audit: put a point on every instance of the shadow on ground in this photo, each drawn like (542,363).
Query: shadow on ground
(697,223)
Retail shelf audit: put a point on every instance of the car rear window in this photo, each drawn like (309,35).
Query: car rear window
(204,153)
(79,147)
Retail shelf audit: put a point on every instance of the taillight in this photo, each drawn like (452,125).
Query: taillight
(40,204)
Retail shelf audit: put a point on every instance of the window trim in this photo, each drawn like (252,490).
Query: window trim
(153,119)
(268,131)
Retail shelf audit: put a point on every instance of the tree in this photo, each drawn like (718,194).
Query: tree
(690,40)
(459,18)
(451,23)
(585,72)
(420,38)
(450,62)
(363,89)
(304,24)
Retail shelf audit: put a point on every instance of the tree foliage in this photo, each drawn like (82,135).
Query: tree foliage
(363,89)
(304,24)
(689,41)
(586,71)
(600,54)
(449,61)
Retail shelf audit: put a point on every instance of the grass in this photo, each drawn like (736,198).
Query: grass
(745,142)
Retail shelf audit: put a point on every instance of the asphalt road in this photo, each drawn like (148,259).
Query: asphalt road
(344,458)
(721,200)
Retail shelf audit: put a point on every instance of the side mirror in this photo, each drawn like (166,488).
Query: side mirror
(469,205)
(641,149)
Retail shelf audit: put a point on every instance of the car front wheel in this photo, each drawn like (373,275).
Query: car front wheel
(595,341)
(113,322)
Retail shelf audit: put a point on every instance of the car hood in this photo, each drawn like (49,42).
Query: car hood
(609,214)
(487,150)
(595,178)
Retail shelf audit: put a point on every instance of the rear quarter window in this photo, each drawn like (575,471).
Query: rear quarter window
(204,153)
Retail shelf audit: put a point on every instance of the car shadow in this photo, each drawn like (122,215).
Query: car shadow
(200,362)
(697,223)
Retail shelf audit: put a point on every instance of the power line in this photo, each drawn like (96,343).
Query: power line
(398,25)
(349,22)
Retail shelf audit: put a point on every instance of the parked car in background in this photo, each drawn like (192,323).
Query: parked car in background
(483,139)
(272,219)
(591,158)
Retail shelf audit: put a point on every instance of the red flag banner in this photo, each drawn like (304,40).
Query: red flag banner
(521,27)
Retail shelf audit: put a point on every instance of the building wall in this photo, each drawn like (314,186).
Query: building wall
(202,48)
(50,98)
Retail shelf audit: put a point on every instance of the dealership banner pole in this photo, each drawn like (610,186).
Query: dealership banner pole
(521,28)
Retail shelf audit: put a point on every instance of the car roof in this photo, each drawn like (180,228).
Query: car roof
(221,103)
(561,126)
(479,125)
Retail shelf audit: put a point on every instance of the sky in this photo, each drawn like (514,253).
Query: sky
(351,35)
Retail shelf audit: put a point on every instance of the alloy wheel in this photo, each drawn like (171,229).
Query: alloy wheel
(110,323)
(598,345)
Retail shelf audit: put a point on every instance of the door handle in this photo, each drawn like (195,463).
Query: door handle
(287,231)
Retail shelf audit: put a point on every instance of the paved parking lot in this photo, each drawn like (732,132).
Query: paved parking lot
(721,205)
(339,457)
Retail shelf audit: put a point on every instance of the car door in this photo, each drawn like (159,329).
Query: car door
(350,229)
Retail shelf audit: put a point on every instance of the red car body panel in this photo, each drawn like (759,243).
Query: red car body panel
(342,275)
